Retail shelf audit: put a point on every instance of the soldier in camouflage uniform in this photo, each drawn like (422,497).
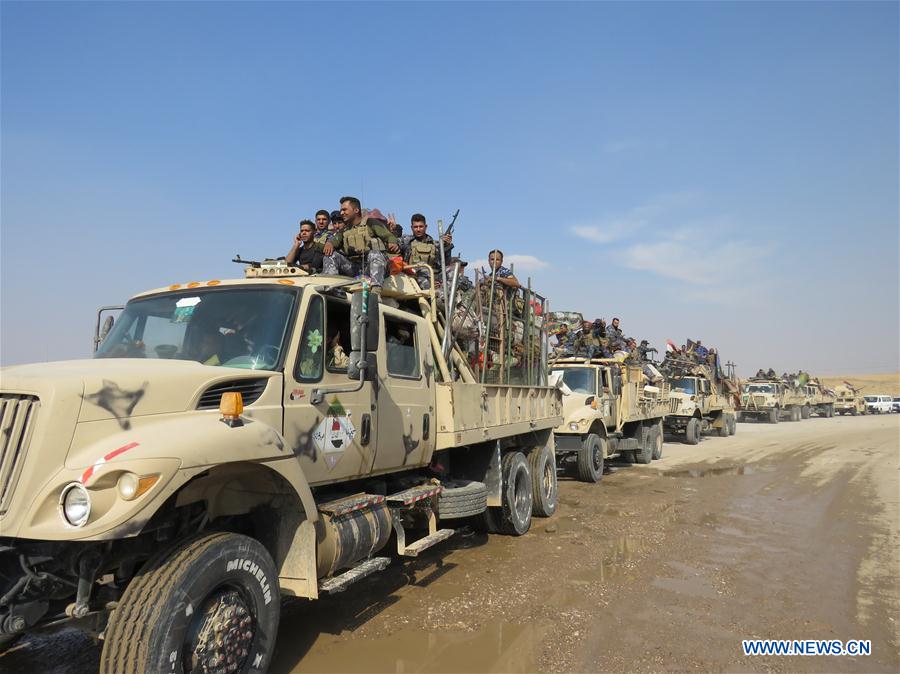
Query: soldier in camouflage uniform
(322,233)
(420,248)
(360,240)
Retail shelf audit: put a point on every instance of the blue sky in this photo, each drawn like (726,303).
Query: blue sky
(727,172)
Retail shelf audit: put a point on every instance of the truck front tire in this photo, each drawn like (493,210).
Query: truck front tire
(692,432)
(589,462)
(773,416)
(545,491)
(212,600)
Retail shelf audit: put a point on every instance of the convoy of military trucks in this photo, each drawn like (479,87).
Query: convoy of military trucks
(239,441)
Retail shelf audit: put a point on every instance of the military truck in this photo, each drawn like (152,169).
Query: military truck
(610,410)
(848,400)
(819,400)
(234,442)
(705,399)
(772,399)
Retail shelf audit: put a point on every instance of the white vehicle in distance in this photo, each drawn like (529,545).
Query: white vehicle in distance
(879,404)
(896,404)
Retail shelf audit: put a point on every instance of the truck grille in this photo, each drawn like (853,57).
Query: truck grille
(674,405)
(17,419)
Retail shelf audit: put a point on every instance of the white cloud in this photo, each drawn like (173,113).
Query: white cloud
(626,225)
(714,271)
(520,263)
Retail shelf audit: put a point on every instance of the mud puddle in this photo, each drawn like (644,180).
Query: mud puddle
(494,647)
(715,471)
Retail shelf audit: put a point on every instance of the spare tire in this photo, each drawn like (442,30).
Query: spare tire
(461,498)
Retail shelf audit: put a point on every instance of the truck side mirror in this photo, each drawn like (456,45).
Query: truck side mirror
(371,326)
(353,368)
(107,326)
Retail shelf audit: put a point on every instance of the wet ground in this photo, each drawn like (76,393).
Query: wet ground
(784,532)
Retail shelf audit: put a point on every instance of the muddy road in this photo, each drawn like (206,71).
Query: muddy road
(784,532)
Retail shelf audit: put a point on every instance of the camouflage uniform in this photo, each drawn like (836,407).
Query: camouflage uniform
(322,236)
(354,245)
(423,251)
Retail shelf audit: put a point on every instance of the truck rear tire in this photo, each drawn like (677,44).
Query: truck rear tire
(656,440)
(722,431)
(589,463)
(644,455)
(212,597)
(692,432)
(461,498)
(515,513)
(732,425)
(544,487)
(804,412)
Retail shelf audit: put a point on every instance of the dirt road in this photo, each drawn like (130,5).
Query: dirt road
(785,532)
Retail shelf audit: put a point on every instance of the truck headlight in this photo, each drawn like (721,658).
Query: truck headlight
(573,426)
(131,486)
(75,504)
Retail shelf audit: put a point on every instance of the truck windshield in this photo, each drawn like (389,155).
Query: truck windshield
(759,388)
(240,327)
(580,379)
(685,385)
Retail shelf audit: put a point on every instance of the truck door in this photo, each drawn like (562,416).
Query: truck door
(406,423)
(335,439)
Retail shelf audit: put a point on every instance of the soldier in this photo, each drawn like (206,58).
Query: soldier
(322,221)
(337,222)
(304,253)
(644,351)
(616,336)
(771,374)
(760,373)
(361,238)
(420,248)
(565,340)
(504,276)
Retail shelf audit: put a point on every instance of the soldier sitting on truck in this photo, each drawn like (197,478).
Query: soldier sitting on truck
(360,241)
(304,253)
(322,232)
(420,248)
(502,274)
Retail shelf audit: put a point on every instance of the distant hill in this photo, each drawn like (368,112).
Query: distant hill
(888,384)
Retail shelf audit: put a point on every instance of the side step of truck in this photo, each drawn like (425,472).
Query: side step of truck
(358,572)
(422,498)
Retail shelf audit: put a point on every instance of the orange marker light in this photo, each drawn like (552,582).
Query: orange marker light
(286,281)
(213,283)
(193,284)
(231,406)
(175,286)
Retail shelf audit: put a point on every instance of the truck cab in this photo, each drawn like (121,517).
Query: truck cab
(609,411)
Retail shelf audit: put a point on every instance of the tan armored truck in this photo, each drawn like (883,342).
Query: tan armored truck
(819,400)
(609,410)
(772,400)
(235,442)
(703,400)
(848,400)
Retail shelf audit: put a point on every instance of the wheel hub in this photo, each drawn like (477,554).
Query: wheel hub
(221,636)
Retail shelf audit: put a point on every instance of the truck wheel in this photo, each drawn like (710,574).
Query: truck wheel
(692,432)
(644,455)
(656,440)
(732,425)
(773,416)
(740,417)
(211,603)
(544,488)
(515,515)
(590,459)
(461,498)
(804,412)
(723,429)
